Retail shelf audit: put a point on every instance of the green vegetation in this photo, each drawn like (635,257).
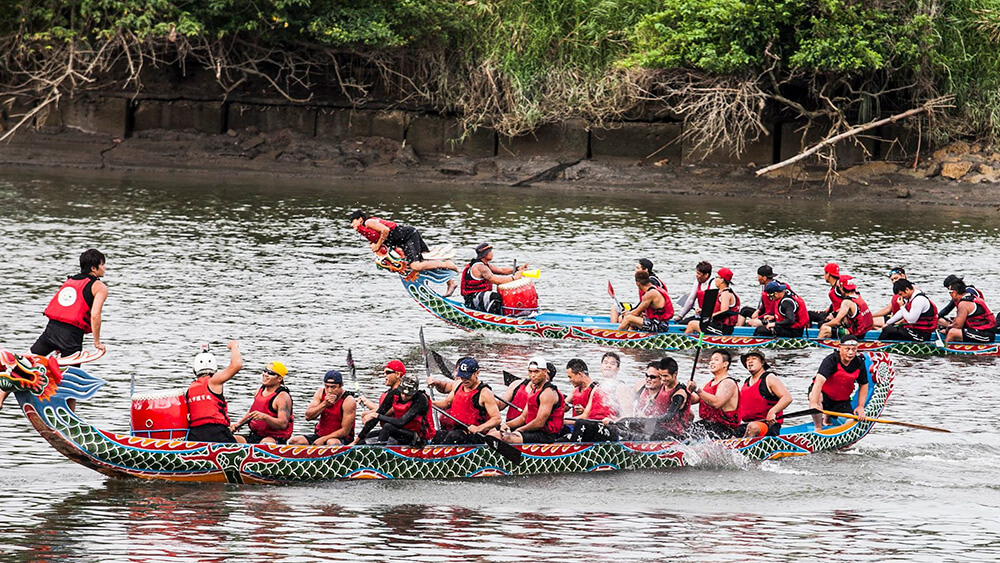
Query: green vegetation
(515,64)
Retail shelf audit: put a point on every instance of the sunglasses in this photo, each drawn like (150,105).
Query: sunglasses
(272,373)
(387,371)
(648,376)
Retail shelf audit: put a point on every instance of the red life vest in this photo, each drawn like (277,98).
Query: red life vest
(981,317)
(471,285)
(680,422)
(555,422)
(204,406)
(519,399)
(69,305)
(894,305)
(700,293)
(734,309)
(602,405)
(465,405)
(801,313)
(840,385)
(835,298)
(332,419)
(371,234)
(580,397)
(927,321)
(423,426)
(757,400)
(712,414)
(266,406)
(652,406)
(664,313)
(861,321)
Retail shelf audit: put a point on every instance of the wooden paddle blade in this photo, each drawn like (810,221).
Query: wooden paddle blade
(446,367)
(886,421)
(708,303)
(508,378)
(507,451)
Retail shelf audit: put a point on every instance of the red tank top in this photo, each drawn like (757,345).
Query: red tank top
(204,406)
(465,405)
(712,414)
(580,397)
(648,406)
(767,304)
(332,419)
(519,399)
(981,317)
(861,321)
(679,423)
(835,298)
(927,321)
(266,405)
(666,312)
(757,400)
(699,295)
(471,285)
(371,234)
(423,426)
(555,422)
(69,305)
(602,405)
(734,309)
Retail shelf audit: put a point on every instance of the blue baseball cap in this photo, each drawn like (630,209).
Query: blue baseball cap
(333,376)
(467,367)
(774,287)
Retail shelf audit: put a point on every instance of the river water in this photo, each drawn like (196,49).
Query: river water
(275,265)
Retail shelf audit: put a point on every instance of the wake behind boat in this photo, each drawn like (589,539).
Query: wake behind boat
(601,330)
(42,391)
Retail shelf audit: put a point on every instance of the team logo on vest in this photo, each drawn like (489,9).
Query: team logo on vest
(67,296)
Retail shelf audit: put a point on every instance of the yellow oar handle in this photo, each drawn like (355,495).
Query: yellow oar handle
(536,273)
(885,421)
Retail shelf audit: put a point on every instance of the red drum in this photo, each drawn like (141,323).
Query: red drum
(519,298)
(163,414)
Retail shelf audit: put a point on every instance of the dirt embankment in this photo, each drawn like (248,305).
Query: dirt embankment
(961,174)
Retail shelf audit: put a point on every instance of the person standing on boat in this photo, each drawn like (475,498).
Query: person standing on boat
(479,277)
(763,398)
(270,417)
(702,283)
(790,315)
(208,411)
(833,386)
(384,234)
(335,408)
(853,316)
(917,317)
(727,309)
(405,414)
(718,400)
(943,321)
(542,419)
(831,273)
(472,403)
(974,322)
(654,310)
(879,317)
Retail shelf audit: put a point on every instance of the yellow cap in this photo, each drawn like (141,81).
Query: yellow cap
(278,368)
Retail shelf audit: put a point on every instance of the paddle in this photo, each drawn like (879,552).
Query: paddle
(427,368)
(697,353)
(446,367)
(885,421)
(611,293)
(509,378)
(507,451)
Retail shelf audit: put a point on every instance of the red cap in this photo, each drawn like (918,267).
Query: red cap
(726,274)
(396,366)
(833,269)
(847,282)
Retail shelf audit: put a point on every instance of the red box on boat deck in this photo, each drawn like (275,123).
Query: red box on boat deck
(161,414)
(519,298)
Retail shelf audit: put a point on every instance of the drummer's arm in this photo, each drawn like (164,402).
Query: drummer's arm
(492,277)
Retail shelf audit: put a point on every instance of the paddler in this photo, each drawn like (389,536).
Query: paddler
(208,411)
(950,306)
(542,419)
(593,407)
(916,318)
(765,307)
(833,386)
(763,398)
(643,265)
(405,414)
(879,317)
(611,380)
(384,234)
(74,311)
(393,371)
(270,417)
(718,400)
(479,276)
(790,314)
(516,394)
(653,398)
(472,403)
(335,408)
(654,310)
(853,316)
(974,322)
(676,420)
(696,296)
(831,273)
(727,309)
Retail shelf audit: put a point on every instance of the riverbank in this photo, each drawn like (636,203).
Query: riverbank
(287,154)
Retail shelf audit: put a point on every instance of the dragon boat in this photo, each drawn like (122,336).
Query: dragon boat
(42,388)
(600,330)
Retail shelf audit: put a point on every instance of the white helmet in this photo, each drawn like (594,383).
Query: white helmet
(204,364)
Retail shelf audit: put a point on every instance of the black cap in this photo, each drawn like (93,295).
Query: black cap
(952,278)
(759,354)
(765,271)
(647,264)
(482,249)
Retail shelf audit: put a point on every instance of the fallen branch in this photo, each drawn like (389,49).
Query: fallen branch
(931,105)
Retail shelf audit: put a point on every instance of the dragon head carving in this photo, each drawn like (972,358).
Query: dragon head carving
(393,264)
(38,375)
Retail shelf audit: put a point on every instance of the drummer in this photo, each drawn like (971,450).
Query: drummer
(479,277)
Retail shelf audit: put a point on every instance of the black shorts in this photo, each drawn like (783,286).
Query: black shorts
(409,240)
(655,325)
(905,333)
(818,317)
(538,437)
(782,331)
(486,301)
(311,439)
(255,438)
(980,336)
(772,430)
(837,406)
(713,327)
(58,336)
(211,433)
(593,431)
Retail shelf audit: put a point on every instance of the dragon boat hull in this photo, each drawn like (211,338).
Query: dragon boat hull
(125,456)
(600,330)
